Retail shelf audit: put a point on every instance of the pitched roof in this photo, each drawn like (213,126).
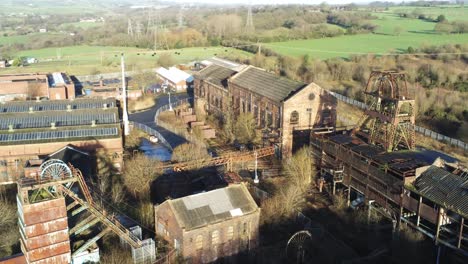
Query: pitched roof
(173,74)
(215,74)
(444,188)
(223,63)
(219,205)
(266,84)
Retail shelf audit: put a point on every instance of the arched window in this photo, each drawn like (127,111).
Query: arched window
(294,119)
(215,237)
(230,233)
(199,242)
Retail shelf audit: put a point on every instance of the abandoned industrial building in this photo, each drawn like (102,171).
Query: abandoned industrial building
(208,226)
(33,129)
(378,160)
(53,86)
(278,104)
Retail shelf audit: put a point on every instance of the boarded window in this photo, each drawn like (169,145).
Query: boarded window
(294,119)
(199,242)
(230,233)
(215,237)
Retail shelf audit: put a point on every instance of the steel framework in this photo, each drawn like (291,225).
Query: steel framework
(390,117)
(228,160)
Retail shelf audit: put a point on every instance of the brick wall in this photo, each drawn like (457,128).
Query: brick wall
(305,103)
(266,111)
(217,98)
(226,244)
(229,241)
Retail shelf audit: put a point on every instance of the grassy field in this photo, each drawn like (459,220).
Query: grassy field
(34,37)
(81,60)
(415,33)
(452,13)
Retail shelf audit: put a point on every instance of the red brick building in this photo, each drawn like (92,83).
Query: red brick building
(54,86)
(208,226)
(31,130)
(278,104)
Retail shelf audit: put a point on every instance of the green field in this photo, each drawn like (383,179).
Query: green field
(415,33)
(452,13)
(81,60)
(34,37)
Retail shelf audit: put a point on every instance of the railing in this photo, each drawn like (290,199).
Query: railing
(167,107)
(153,132)
(421,130)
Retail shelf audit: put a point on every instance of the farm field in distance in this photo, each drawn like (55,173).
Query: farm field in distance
(81,60)
(415,32)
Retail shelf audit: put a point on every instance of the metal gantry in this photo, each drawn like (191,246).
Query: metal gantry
(228,160)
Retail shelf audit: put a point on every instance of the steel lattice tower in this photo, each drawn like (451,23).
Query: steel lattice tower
(249,26)
(130,28)
(390,117)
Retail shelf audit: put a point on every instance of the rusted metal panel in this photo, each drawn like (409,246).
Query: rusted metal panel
(39,207)
(48,252)
(47,239)
(47,227)
(64,258)
(46,215)
(17,259)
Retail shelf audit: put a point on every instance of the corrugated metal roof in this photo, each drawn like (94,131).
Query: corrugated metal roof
(202,209)
(266,83)
(444,188)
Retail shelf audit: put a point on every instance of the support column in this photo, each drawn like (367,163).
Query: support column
(460,233)
(418,212)
(349,196)
(439,216)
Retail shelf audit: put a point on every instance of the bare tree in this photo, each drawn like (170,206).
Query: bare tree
(165,60)
(189,152)
(139,172)
(245,128)
(34,90)
(300,168)
(8,228)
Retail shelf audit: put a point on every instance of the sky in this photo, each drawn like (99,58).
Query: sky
(314,2)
